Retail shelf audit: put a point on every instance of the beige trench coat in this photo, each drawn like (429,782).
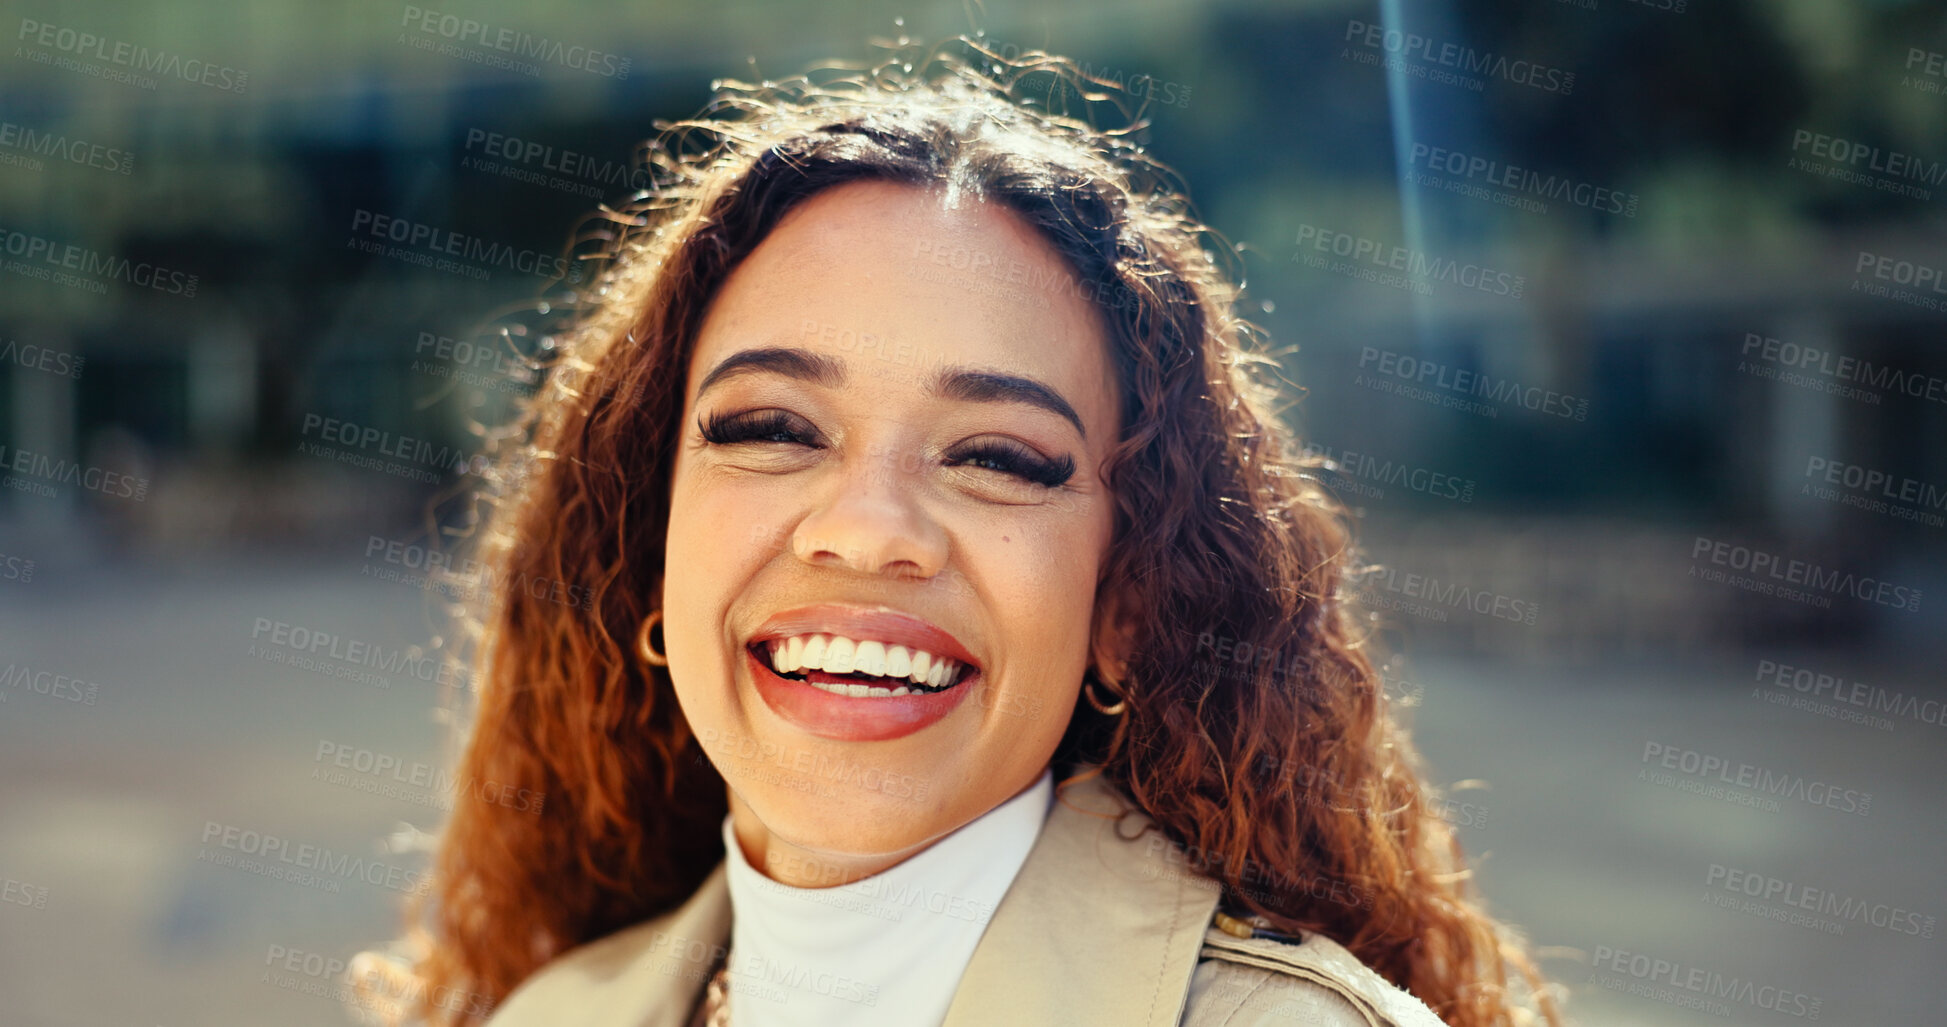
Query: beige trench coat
(1099,927)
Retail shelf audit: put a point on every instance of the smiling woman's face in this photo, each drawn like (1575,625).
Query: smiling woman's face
(892,431)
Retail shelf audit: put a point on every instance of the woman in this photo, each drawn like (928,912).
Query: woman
(967,642)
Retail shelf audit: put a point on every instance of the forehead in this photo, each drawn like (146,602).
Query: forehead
(897,280)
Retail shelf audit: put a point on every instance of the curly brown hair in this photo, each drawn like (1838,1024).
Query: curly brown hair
(1257,734)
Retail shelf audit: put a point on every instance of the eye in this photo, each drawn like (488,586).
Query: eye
(758,426)
(997,455)
(1015,459)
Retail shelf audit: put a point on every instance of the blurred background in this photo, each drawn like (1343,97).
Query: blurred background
(1622,321)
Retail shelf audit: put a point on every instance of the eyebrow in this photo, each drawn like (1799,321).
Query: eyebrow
(956,382)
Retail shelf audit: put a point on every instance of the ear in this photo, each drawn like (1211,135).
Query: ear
(1114,638)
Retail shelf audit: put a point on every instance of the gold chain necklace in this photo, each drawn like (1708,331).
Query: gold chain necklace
(716,999)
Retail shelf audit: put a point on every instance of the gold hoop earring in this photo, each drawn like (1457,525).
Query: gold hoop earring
(642,646)
(1088,692)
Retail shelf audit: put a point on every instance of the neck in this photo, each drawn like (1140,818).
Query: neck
(892,933)
(802,866)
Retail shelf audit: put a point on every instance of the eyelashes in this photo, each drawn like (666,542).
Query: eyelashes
(1014,458)
(762,426)
(773,426)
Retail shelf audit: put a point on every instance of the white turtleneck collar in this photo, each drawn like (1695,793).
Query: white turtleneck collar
(886,949)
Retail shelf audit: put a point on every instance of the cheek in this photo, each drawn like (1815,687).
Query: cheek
(716,542)
(1044,592)
(717,528)
(727,520)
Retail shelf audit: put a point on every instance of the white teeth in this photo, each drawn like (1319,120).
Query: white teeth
(858,691)
(870,659)
(836,654)
(838,658)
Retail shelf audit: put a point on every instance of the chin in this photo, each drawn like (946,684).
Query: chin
(845,819)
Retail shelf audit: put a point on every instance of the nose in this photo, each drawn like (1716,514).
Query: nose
(869,517)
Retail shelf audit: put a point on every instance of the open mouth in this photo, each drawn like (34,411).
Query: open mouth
(862,669)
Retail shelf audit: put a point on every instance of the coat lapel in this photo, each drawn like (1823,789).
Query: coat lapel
(693,939)
(1098,927)
(648,975)
(1101,925)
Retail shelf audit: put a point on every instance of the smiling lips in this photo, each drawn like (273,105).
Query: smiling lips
(858,673)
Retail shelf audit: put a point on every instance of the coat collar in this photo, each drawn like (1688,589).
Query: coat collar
(1103,924)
